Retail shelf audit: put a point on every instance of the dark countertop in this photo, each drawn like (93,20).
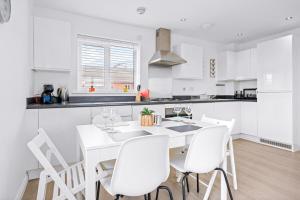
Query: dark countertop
(126,103)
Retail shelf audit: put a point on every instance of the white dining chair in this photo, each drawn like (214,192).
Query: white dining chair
(70,181)
(142,165)
(230,152)
(205,154)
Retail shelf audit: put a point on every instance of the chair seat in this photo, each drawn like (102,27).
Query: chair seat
(178,162)
(74,178)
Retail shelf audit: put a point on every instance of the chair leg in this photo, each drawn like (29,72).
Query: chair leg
(98,190)
(164,188)
(145,197)
(183,180)
(187,184)
(227,183)
(42,186)
(197,183)
(232,164)
(210,185)
(149,196)
(117,197)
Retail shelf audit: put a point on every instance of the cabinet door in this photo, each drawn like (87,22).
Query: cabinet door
(249,118)
(52,44)
(275,117)
(243,64)
(228,111)
(60,124)
(275,65)
(253,63)
(158,109)
(124,111)
(193,69)
(226,67)
(200,109)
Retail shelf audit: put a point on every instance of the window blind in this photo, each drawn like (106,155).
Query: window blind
(107,64)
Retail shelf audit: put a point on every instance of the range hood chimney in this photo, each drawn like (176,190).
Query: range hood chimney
(163,55)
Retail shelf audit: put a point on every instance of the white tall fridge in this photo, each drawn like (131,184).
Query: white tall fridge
(275,90)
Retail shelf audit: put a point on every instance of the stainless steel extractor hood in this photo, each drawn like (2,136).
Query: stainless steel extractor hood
(163,55)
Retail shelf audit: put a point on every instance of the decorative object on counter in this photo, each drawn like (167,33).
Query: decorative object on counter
(138,94)
(177,109)
(145,94)
(47,96)
(188,111)
(126,88)
(147,118)
(63,95)
(212,71)
(92,88)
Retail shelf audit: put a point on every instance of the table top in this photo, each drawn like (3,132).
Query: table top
(93,137)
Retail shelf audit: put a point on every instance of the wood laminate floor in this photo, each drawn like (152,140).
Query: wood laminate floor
(264,173)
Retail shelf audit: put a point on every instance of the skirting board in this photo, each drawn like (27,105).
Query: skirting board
(22,188)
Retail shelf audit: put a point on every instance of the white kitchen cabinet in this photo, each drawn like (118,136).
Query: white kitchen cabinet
(193,69)
(200,109)
(275,120)
(60,125)
(249,118)
(228,111)
(243,64)
(124,111)
(52,44)
(29,131)
(275,61)
(253,64)
(226,67)
(136,110)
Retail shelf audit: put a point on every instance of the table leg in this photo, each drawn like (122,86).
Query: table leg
(90,175)
(223,183)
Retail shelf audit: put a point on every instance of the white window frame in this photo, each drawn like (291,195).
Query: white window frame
(106,43)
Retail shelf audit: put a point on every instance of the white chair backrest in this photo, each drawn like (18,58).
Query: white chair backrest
(35,146)
(142,165)
(99,119)
(207,150)
(230,124)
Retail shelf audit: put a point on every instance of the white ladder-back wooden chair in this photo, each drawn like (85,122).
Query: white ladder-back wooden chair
(67,183)
(229,124)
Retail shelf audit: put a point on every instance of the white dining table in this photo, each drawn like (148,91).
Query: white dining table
(98,145)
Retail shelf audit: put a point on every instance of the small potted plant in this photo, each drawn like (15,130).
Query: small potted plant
(147,117)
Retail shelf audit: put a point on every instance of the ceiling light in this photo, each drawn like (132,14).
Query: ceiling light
(289,18)
(183,19)
(207,26)
(141,10)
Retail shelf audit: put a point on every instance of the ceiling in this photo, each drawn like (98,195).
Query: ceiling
(252,18)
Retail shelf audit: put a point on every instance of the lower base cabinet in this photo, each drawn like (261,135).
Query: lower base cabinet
(249,118)
(60,125)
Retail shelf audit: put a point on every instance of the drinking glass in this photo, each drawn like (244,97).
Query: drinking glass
(105,114)
(177,109)
(188,111)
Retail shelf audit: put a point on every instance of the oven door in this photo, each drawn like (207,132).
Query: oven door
(169,112)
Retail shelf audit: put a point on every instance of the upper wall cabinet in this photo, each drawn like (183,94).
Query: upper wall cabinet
(240,65)
(52,45)
(193,69)
(226,66)
(275,58)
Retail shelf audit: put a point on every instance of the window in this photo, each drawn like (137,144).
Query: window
(107,65)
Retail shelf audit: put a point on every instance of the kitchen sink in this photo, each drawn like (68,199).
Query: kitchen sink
(122,136)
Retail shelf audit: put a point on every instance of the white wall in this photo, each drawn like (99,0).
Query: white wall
(98,28)
(158,79)
(15,87)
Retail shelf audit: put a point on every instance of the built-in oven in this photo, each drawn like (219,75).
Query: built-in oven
(169,112)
